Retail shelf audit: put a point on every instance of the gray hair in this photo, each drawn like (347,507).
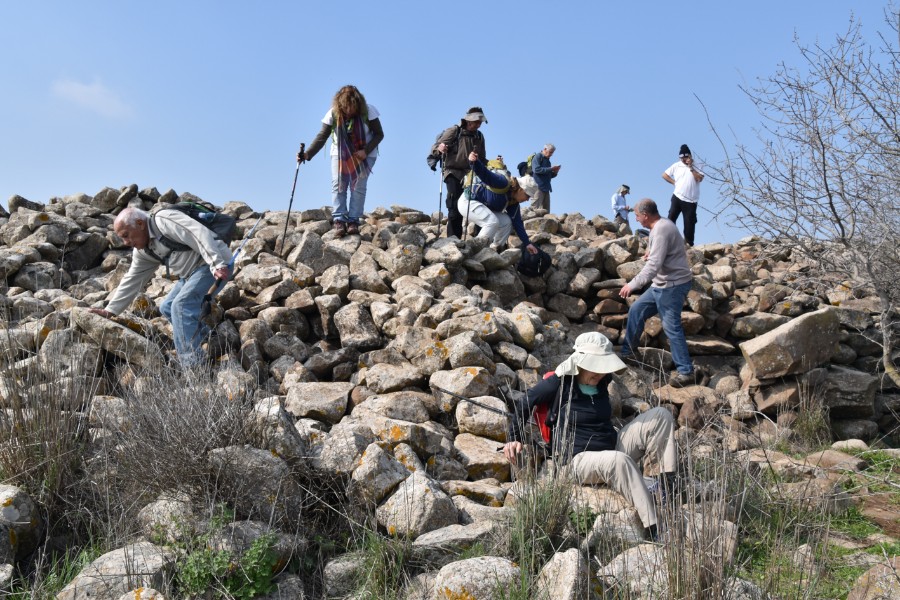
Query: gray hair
(550,147)
(624,189)
(131,217)
(647,207)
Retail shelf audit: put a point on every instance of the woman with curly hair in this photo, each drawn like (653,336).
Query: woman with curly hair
(355,132)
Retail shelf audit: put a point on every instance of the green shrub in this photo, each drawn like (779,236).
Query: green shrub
(202,571)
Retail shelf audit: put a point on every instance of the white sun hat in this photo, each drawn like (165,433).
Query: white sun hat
(593,352)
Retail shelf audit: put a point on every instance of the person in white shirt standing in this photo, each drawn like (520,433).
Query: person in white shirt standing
(686,178)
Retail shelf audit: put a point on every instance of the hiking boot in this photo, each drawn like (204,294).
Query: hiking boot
(352,229)
(680,380)
(339,228)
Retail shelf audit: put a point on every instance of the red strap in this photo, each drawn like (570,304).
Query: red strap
(540,415)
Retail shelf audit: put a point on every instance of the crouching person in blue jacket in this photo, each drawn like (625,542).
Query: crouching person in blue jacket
(493,204)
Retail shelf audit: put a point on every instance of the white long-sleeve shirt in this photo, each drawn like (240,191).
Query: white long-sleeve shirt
(618,205)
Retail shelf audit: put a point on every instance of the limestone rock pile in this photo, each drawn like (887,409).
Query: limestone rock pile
(349,338)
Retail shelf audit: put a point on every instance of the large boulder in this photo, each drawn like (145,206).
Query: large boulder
(566,576)
(417,506)
(257,483)
(118,339)
(482,578)
(137,565)
(22,523)
(795,347)
(849,393)
(326,401)
(880,581)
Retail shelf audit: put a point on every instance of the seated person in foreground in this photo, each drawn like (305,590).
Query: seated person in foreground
(583,436)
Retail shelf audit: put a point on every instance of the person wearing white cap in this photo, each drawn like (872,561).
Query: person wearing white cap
(453,147)
(493,202)
(583,436)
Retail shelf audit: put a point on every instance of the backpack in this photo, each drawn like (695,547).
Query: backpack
(221,225)
(540,415)
(524,167)
(434,156)
(534,265)
(473,181)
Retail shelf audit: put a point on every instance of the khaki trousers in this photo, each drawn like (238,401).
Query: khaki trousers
(541,200)
(652,432)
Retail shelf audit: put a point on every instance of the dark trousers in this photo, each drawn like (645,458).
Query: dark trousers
(454,218)
(689,209)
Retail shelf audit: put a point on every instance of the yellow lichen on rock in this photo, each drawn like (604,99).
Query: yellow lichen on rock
(462,594)
(396,433)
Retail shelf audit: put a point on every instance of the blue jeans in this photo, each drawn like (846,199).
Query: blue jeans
(182,308)
(667,302)
(339,193)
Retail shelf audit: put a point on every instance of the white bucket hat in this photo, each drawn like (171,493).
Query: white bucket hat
(593,352)
(527,183)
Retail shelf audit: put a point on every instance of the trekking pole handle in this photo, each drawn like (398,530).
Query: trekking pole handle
(300,155)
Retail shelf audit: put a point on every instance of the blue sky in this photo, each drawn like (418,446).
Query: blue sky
(214,98)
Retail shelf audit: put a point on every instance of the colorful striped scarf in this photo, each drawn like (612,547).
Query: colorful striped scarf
(350,136)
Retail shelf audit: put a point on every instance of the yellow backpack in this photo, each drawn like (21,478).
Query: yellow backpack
(496,166)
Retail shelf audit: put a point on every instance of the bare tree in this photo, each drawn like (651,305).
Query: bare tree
(824,179)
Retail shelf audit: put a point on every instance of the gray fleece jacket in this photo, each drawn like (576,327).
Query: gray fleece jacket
(178,227)
(667,263)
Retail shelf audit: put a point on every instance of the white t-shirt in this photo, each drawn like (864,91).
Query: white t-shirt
(687,188)
(372,115)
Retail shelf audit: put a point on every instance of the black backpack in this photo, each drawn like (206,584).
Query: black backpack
(534,265)
(220,224)
(524,167)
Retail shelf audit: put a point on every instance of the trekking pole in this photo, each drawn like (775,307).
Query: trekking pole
(440,195)
(300,159)
(468,200)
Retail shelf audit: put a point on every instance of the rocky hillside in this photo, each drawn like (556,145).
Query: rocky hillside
(345,342)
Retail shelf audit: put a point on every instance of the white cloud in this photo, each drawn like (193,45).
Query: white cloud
(95,97)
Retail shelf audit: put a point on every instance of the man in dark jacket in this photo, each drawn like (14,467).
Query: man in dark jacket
(454,146)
